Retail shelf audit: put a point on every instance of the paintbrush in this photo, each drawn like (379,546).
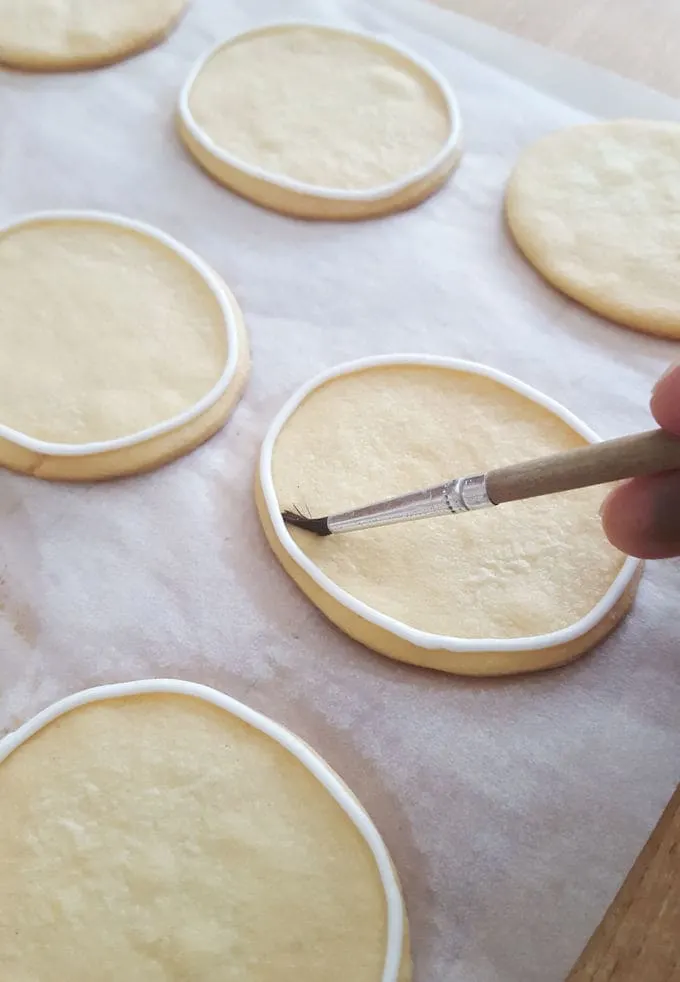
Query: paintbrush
(640,455)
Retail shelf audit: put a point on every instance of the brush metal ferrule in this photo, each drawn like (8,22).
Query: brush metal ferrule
(463,494)
(467,494)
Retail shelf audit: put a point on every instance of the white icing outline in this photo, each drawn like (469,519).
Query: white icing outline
(213,282)
(314,764)
(415,636)
(451,145)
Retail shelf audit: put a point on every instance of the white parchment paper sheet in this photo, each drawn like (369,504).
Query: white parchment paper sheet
(513,809)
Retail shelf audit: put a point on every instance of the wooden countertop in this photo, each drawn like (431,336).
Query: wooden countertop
(639,938)
(636,38)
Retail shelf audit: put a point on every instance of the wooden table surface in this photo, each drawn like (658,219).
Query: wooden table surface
(636,38)
(639,938)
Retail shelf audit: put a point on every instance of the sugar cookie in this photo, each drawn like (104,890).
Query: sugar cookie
(512,589)
(162,829)
(121,349)
(595,209)
(49,35)
(320,122)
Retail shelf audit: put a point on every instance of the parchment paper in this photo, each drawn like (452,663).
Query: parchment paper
(513,809)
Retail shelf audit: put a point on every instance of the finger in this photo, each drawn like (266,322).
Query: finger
(642,517)
(666,400)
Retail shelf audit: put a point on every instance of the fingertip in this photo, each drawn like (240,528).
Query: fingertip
(665,403)
(642,517)
(621,521)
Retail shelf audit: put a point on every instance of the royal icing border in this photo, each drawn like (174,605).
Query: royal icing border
(415,636)
(217,288)
(383,191)
(314,764)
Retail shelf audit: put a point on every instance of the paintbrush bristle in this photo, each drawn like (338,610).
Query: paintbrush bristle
(319,526)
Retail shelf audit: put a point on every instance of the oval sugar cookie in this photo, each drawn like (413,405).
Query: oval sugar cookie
(121,349)
(319,122)
(511,589)
(595,209)
(160,829)
(49,35)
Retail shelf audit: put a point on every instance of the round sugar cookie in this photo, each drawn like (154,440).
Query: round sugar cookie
(160,829)
(121,349)
(511,589)
(319,122)
(52,35)
(595,209)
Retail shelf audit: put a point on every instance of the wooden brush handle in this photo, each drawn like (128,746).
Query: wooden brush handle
(600,463)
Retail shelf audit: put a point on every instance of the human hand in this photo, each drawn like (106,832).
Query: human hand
(642,516)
